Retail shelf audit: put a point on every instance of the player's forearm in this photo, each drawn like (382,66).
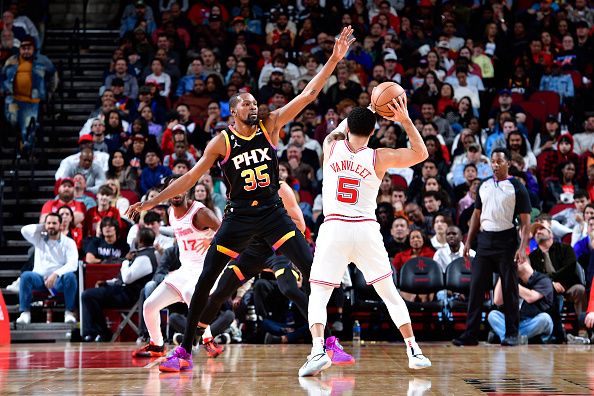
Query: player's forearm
(315,85)
(524,234)
(416,140)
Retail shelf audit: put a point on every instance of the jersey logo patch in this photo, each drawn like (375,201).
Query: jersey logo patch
(235,144)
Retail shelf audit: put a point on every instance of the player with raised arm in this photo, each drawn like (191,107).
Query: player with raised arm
(350,233)
(246,152)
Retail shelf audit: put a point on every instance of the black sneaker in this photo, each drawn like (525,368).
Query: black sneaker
(465,341)
(493,338)
(510,341)
(271,339)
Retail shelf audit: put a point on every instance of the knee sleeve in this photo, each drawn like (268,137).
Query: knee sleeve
(394,302)
(318,300)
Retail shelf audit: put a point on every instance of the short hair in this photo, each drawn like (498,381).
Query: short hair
(55,215)
(146,237)
(110,222)
(543,217)
(361,121)
(151,216)
(167,181)
(502,150)
(580,194)
(434,125)
(470,165)
(105,190)
(434,194)
(234,100)
(182,161)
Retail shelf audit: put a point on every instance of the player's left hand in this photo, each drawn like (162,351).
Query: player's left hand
(203,245)
(589,321)
(342,44)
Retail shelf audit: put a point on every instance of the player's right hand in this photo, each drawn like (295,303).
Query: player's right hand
(134,210)
(466,252)
(400,109)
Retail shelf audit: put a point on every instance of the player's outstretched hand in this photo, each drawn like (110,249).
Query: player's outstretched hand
(342,44)
(400,109)
(134,210)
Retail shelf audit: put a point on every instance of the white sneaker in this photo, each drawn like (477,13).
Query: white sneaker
(418,361)
(315,364)
(69,317)
(418,387)
(25,318)
(14,286)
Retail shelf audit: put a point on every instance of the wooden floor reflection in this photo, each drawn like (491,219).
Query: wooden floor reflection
(108,369)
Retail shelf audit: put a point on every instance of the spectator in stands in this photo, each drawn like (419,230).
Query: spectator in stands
(344,88)
(8,45)
(201,193)
(549,159)
(218,195)
(108,247)
(440,225)
(91,170)
(309,155)
(453,250)
(518,144)
(103,209)
(123,102)
(155,130)
(120,202)
(80,192)
(118,169)
(573,216)
(154,172)
(24,89)
(65,198)
(119,292)
(180,152)
(554,81)
(418,246)
(187,82)
(154,221)
(107,105)
(560,189)
(20,32)
(581,231)
(180,167)
(73,160)
(121,72)
(498,139)
(196,99)
(68,228)
(137,151)
(557,261)
(56,261)
(399,234)
(140,17)
(536,291)
(584,140)
(419,220)
(473,156)
(160,77)
(443,127)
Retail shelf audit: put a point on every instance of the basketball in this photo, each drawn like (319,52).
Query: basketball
(382,95)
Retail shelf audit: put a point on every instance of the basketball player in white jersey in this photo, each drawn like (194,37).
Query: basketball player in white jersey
(350,233)
(194,226)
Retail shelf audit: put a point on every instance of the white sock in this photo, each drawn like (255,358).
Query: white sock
(207,334)
(412,348)
(318,345)
(161,297)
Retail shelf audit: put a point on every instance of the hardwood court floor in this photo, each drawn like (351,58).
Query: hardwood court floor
(270,370)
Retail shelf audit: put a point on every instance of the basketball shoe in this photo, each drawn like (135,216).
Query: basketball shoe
(150,350)
(315,364)
(416,359)
(212,348)
(337,353)
(179,360)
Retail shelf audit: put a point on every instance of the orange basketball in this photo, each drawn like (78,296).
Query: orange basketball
(382,95)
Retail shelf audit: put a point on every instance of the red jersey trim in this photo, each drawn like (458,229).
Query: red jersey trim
(332,149)
(351,149)
(323,283)
(380,278)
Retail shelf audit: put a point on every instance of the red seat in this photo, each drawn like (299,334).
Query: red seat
(550,99)
(566,238)
(559,208)
(130,196)
(536,110)
(576,77)
(100,272)
(399,181)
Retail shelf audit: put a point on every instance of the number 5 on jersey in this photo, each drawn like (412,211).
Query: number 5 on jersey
(256,177)
(347,191)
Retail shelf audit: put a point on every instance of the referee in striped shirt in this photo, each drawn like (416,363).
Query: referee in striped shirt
(500,200)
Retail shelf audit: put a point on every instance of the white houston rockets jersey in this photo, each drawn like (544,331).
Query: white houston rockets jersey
(188,237)
(350,186)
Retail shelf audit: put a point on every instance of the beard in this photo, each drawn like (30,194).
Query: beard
(541,238)
(52,232)
(251,120)
(177,202)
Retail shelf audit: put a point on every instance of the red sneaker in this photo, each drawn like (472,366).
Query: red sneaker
(212,348)
(149,351)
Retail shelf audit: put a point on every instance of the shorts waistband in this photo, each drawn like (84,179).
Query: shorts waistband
(252,203)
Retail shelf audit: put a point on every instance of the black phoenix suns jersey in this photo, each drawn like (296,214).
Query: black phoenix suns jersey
(250,166)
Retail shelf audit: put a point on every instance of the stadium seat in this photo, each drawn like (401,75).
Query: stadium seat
(399,181)
(559,208)
(536,110)
(130,195)
(550,99)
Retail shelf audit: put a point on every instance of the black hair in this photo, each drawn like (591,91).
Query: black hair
(434,125)
(167,181)
(470,165)
(502,150)
(361,121)
(151,216)
(110,222)
(523,145)
(577,194)
(146,237)
(55,215)
(434,194)
(234,100)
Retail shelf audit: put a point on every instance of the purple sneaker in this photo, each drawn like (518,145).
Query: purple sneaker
(337,353)
(179,360)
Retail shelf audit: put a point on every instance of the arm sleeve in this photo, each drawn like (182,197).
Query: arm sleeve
(71,257)
(478,203)
(131,272)
(522,198)
(32,233)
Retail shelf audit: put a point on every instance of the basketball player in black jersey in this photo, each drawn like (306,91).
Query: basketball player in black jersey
(247,155)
